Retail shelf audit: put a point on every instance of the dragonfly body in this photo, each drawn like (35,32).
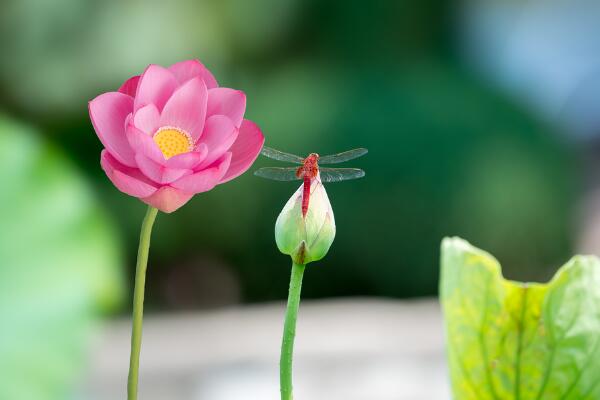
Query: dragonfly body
(309,169)
(307,172)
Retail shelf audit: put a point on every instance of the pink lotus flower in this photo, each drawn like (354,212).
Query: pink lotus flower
(172,132)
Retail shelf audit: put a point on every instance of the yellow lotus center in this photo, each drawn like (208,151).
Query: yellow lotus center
(173,141)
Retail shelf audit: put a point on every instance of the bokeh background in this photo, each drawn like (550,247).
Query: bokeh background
(481,118)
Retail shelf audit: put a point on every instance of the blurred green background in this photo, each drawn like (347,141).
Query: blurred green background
(479,117)
(449,152)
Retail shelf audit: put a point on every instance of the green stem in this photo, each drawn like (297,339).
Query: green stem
(289,332)
(138,302)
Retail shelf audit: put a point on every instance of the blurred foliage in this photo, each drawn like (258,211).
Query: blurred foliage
(59,264)
(448,154)
(511,340)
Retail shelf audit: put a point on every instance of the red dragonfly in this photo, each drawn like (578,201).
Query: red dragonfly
(309,169)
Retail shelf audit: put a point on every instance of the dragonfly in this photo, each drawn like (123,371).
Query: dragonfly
(309,169)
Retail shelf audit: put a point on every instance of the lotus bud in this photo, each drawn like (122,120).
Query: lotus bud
(306,238)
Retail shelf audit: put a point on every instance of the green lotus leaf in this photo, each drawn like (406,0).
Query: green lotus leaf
(512,340)
(59,267)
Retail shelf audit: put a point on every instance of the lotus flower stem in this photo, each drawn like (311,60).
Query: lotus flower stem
(289,332)
(138,302)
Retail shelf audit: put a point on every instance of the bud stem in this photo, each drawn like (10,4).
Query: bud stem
(289,332)
(138,302)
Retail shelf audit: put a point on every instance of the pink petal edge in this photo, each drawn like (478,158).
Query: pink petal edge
(147,119)
(168,199)
(186,109)
(245,150)
(156,85)
(129,87)
(159,173)
(229,102)
(204,180)
(218,136)
(186,70)
(128,180)
(142,143)
(188,160)
(108,113)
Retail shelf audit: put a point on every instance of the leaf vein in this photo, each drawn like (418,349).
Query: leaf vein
(520,348)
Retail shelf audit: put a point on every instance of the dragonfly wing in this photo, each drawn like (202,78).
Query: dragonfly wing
(340,174)
(280,155)
(343,157)
(277,174)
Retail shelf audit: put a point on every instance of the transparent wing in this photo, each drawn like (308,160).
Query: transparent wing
(343,157)
(277,174)
(340,174)
(280,155)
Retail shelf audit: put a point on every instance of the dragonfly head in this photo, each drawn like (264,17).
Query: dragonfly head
(311,165)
